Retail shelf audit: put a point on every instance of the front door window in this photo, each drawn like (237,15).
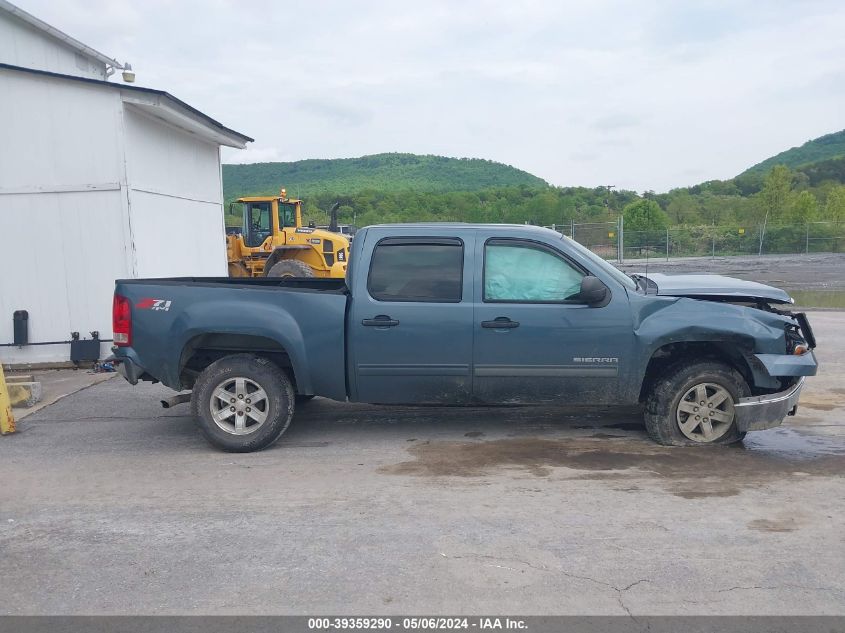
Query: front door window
(527,273)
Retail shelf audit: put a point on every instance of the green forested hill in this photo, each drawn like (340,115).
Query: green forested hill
(823,148)
(380,172)
(832,170)
(801,185)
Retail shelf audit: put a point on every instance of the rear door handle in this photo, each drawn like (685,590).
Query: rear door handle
(500,323)
(382,320)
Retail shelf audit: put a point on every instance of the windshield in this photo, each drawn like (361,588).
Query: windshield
(611,270)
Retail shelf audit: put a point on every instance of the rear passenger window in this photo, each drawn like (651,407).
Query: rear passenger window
(407,269)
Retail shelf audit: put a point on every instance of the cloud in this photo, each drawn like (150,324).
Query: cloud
(651,88)
(335,112)
(617,121)
(253,154)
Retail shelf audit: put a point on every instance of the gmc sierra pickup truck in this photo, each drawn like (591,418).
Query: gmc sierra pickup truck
(463,314)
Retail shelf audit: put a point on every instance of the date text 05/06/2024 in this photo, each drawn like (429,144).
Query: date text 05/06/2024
(416,623)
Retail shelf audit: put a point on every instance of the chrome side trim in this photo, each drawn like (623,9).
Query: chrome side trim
(543,371)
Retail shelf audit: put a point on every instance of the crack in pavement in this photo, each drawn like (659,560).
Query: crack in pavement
(619,590)
(752,587)
(109,417)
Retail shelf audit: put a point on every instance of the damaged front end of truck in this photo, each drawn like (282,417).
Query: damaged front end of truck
(747,324)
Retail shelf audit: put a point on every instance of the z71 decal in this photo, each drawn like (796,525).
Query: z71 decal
(162,305)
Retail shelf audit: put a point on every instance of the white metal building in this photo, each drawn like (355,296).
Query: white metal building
(98,181)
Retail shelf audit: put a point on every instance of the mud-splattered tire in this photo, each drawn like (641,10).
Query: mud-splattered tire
(674,415)
(242,403)
(290,268)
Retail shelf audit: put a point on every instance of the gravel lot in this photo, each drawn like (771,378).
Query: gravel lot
(114,505)
(817,271)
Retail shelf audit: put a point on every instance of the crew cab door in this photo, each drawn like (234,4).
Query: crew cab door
(410,324)
(534,340)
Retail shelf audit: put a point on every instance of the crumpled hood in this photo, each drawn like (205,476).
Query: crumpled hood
(715,287)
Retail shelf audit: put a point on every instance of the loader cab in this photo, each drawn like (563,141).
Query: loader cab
(257,221)
(267,217)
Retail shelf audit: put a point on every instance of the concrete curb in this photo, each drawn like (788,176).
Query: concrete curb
(25,394)
(53,396)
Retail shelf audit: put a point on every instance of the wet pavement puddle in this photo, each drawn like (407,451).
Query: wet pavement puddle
(773,525)
(692,473)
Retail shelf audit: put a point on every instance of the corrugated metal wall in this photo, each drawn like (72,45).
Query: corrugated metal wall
(60,255)
(63,236)
(174,200)
(73,162)
(22,45)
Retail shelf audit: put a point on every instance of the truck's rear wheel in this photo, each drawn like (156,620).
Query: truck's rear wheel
(290,268)
(242,403)
(693,404)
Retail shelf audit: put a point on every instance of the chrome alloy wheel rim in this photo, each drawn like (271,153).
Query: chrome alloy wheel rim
(239,406)
(705,412)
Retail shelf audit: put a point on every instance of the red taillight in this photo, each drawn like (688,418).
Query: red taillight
(121,318)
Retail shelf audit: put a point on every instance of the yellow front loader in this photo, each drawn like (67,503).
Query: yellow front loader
(272,242)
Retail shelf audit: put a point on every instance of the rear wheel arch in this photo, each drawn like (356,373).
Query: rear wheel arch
(204,349)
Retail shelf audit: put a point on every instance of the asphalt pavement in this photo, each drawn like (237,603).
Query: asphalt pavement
(111,504)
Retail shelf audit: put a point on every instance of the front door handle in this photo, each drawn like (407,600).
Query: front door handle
(382,320)
(500,323)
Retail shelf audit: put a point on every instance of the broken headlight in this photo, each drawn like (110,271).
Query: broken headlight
(795,343)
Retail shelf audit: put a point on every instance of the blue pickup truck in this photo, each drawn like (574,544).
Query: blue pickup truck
(462,314)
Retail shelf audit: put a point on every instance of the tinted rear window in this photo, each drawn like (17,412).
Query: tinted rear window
(404,269)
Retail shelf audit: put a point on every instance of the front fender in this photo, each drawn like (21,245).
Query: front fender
(744,332)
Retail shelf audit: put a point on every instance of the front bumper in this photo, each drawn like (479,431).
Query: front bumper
(789,365)
(764,412)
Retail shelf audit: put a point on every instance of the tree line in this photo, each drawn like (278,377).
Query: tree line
(783,196)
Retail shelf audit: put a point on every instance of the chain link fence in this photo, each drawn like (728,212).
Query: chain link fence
(600,237)
(612,241)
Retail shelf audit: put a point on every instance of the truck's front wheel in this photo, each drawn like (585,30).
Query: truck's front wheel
(242,403)
(693,404)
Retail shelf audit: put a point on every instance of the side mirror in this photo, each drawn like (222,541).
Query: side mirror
(593,292)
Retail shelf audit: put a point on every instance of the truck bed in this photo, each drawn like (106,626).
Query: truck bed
(174,319)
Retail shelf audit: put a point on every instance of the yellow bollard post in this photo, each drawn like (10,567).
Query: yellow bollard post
(7,420)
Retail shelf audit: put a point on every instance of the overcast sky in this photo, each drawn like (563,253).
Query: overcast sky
(641,95)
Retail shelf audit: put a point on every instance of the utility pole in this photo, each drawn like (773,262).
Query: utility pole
(619,254)
(607,199)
